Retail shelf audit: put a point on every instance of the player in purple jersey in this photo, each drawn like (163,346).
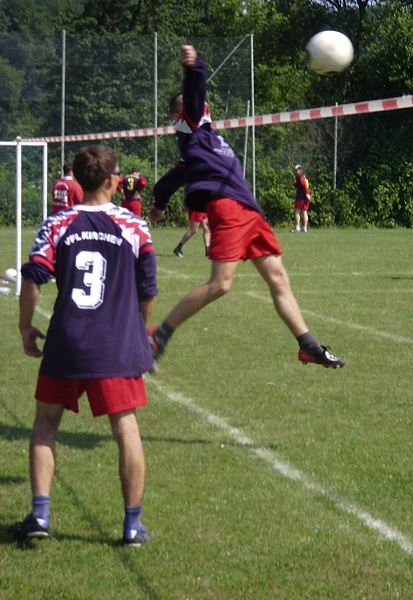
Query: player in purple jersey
(104,264)
(215,184)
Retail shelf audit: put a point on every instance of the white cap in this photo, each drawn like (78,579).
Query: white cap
(297,167)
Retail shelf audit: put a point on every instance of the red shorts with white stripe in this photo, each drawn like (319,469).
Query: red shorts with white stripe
(196,217)
(302,205)
(106,396)
(238,232)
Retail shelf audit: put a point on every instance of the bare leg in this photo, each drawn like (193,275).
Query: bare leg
(42,447)
(305,220)
(192,230)
(125,430)
(273,272)
(207,234)
(296,219)
(219,284)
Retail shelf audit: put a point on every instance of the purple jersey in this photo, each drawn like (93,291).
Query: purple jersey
(104,263)
(212,168)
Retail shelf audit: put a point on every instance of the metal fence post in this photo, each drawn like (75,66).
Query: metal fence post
(155,92)
(253,114)
(63,109)
(335,158)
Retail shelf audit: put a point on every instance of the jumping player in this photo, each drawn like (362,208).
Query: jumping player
(104,263)
(215,184)
(66,191)
(131,187)
(302,200)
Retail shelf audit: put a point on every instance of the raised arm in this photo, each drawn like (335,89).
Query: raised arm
(194,85)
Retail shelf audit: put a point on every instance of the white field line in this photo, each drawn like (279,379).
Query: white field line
(349,324)
(173,273)
(287,470)
(283,468)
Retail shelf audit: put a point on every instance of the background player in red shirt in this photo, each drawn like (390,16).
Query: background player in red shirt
(196,220)
(66,191)
(131,187)
(103,260)
(302,199)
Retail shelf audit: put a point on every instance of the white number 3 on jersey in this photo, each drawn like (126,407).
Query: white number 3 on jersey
(95,266)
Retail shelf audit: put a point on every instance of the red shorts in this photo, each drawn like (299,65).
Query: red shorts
(196,217)
(238,232)
(106,396)
(302,205)
(134,206)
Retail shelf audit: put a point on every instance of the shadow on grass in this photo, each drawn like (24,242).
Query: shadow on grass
(399,277)
(10,479)
(126,556)
(81,440)
(219,443)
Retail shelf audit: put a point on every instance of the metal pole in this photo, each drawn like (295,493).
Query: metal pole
(18,214)
(155,91)
(219,67)
(62,148)
(44,181)
(244,166)
(253,114)
(335,157)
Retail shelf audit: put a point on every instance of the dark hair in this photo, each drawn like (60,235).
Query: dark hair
(135,170)
(173,103)
(94,164)
(67,168)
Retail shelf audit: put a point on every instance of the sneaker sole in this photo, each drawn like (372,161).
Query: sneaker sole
(37,534)
(306,359)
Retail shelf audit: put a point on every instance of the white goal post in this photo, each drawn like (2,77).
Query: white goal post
(18,143)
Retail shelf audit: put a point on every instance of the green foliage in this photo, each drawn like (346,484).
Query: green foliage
(109,86)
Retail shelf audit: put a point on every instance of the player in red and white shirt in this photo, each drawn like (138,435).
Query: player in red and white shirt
(104,264)
(131,187)
(66,191)
(302,200)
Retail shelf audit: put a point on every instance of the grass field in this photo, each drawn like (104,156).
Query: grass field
(266,479)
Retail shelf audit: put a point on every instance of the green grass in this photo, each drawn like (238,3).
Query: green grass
(225,523)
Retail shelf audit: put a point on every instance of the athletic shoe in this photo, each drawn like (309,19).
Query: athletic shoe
(156,343)
(320,355)
(178,252)
(295,230)
(31,528)
(141,537)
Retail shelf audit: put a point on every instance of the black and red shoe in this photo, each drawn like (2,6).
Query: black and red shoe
(320,355)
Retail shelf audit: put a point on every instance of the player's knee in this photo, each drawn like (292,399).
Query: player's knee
(220,288)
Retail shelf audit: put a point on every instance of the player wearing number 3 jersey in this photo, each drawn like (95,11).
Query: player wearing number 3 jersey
(104,264)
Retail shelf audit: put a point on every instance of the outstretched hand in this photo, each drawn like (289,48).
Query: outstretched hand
(188,55)
(29,337)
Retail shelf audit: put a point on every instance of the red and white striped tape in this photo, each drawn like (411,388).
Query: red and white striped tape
(294,116)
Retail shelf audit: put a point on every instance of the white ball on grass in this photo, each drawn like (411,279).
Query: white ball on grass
(10,274)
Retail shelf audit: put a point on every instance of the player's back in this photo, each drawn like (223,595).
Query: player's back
(96,329)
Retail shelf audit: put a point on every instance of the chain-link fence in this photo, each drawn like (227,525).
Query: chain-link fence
(122,82)
(54,85)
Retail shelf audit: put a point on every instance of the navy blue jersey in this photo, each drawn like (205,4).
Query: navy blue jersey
(212,168)
(103,261)
(131,186)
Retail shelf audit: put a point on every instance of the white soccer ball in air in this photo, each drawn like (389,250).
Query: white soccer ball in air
(329,52)
(10,274)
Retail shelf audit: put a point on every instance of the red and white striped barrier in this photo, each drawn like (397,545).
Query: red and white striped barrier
(311,114)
